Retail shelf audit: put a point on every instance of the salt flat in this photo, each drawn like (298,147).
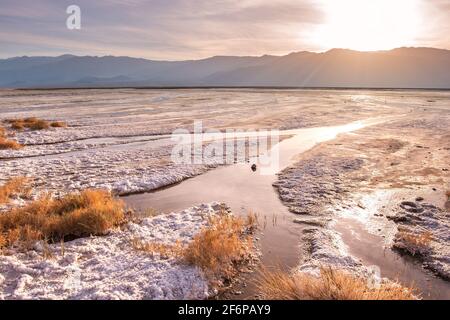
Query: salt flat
(119,139)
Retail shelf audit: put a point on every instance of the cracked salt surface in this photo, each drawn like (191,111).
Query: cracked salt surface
(100,147)
(109,267)
(101,116)
(326,248)
(417,218)
(121,171)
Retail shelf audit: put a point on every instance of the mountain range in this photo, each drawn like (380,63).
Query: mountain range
(397,68)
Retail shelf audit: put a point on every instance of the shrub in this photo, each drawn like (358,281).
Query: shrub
(220,246)
(58,124)
(3,241)
(37,125)
(9,144)
(91,212)
(413,243)
(329,285)
(218,249)
(165,251)
(18,186)
(17,126)
(33,123)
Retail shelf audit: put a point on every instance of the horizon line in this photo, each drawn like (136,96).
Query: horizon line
(216,56)
(227,87)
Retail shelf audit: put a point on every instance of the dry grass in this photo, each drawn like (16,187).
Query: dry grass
(3,241)
(413,243)
(6,143)
(58,124)
(91,212)
(219,248)
(19,186)
(33,123)
(9,144)
(330,285)
(137,216)
(147,213)
(252,221)
(17,126)
(165,251)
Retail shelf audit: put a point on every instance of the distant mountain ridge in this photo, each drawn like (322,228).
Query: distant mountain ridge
(397,68)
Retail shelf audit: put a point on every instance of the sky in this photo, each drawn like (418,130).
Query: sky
(194,29)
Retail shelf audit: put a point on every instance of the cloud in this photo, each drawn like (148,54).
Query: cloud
(176,29)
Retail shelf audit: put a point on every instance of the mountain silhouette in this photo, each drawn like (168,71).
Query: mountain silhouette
(397,68)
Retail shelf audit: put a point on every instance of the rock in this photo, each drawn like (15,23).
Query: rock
(298,211)
(411,207)
(408,204)
(397,218)
(419,199)
(378,215)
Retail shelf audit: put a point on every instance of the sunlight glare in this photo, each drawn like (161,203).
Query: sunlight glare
(368,25)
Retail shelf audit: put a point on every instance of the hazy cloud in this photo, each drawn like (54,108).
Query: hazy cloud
(178,29)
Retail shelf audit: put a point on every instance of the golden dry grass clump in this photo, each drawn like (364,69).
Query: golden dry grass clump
(19,186)
(9,144)
(31,123)
(3,241)
(165,251)
(218,249)
(221,246)
(413,243)
(91,212)
(329,285)
(6,143)
(58,124)
(34,123)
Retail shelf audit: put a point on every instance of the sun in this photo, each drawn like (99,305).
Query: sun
(368,25)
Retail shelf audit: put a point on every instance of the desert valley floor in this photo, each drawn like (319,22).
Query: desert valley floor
(363,181)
